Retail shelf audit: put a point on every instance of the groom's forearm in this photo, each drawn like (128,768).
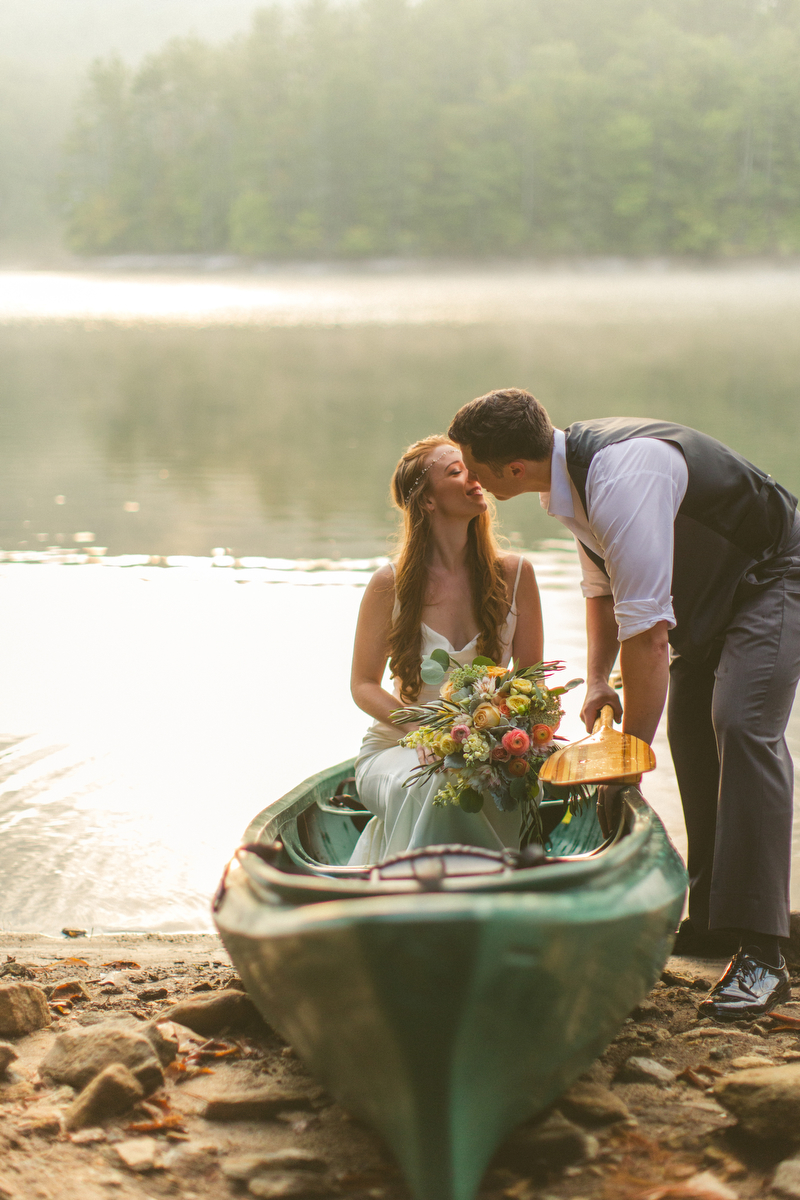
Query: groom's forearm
(601,637)
(601,653)
(644,661)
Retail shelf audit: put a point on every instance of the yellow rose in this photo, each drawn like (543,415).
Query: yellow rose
(522,685)
(518,704)
(447,689)
(445,745)
(486,716)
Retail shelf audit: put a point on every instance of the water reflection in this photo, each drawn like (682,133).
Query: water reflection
(172,705)
(280,441)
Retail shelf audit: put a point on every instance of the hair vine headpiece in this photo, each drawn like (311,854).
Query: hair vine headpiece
(424,472)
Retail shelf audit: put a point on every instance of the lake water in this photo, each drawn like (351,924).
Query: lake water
(193,494)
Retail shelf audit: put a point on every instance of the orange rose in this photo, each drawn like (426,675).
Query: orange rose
(447,689)
(517,767)
(486,716)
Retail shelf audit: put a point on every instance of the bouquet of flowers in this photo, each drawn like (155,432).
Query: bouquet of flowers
(489,732)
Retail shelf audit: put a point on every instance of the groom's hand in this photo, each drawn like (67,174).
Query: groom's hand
(597,696)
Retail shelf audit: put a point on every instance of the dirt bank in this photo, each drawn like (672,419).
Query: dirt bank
(648,1125)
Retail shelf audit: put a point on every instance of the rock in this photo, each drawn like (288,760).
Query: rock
(294,1184)
(78,1055)
(153,993)
(554,1143)
(164,1038)
(766,1100)
(593,1104)
(23,1008)
(247,1165)
(710,1031)
(189,1157)
(41,1120)
(113,1091)
(645,1011)
(7,1055)
(257,1104)
(227,1009)
(84,1137)
(787,1179)
(646,1070)
(12,968)
(746,1062)
(139,1154)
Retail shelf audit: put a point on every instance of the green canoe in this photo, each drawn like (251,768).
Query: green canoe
(450,994)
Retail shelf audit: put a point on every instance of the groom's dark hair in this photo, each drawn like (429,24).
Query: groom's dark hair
(502,426)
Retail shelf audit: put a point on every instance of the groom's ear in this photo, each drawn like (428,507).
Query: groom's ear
(517,467)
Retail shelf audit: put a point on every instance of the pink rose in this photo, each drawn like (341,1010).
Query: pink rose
(500,754)
(460,733)
(516,741)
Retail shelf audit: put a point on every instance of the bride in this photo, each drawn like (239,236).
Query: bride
(451,587)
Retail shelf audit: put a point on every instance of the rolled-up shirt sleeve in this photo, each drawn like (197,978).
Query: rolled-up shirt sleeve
(633,492)
(594,581)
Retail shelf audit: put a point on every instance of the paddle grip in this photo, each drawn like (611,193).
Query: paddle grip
(605,720)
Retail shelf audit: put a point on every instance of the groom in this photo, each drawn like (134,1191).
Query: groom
(684,547)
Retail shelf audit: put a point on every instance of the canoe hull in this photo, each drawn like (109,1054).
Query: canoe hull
(445,1020)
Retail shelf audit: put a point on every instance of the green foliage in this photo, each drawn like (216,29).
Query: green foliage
(452,127)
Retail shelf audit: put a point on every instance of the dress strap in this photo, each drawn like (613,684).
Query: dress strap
(396,605)
(516,584)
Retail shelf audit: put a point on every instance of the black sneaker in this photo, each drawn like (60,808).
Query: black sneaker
(748,989)
(718,943)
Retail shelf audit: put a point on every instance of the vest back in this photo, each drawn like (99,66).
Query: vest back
(733,518)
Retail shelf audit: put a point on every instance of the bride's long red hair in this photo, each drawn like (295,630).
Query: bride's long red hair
(489,594)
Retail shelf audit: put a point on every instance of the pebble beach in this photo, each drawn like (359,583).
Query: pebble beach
(135,1067)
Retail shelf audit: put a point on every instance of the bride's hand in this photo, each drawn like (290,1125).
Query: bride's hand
(425,756)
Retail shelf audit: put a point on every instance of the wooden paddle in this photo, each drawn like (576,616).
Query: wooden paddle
(606,754)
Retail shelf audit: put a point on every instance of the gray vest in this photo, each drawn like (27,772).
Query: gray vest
(733,521)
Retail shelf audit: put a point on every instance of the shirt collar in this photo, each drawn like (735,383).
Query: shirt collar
(559,500)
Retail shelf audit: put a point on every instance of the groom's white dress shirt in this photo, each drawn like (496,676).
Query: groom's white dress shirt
(633,492)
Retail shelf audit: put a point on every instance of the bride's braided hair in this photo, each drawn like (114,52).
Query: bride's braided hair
(490,598)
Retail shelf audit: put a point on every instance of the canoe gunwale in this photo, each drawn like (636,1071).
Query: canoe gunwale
(276,887)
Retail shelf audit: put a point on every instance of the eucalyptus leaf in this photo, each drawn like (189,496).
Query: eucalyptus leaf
(432,672)
(455,761)
(441,657)
(470,800)
(482,661)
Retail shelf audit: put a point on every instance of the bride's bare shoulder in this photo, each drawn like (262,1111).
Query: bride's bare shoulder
(383,578)
(380,589)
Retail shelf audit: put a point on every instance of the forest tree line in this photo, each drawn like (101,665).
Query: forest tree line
(451,127)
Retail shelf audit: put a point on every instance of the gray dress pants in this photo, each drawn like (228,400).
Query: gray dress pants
(726,719)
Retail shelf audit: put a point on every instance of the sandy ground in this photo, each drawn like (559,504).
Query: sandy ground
(673,1131)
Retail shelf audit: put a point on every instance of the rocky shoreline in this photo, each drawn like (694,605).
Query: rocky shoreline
(135,1067)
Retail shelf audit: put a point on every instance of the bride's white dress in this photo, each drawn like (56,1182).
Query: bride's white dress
(405,818)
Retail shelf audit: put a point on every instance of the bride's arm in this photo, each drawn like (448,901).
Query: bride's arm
(371,648)
(528,645)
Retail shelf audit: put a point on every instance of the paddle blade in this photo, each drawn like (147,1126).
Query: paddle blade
(599,758)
